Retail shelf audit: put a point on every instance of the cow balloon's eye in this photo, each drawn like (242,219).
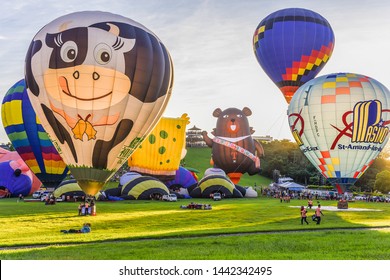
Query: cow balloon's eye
(102,54)
(69,51)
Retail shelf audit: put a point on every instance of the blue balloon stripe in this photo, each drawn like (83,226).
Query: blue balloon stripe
(12,96)
(14,128)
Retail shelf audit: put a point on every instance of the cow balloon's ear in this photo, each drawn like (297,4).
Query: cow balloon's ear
(217,112)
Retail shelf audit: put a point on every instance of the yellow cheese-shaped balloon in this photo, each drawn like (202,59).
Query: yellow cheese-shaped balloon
(161,151)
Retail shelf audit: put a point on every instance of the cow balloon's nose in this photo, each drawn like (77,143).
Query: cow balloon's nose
(76,74)
(95,76)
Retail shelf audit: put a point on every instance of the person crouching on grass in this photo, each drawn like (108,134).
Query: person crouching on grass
(303,215)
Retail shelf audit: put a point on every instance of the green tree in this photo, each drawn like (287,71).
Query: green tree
(286,157)
(382,182)
(367,181)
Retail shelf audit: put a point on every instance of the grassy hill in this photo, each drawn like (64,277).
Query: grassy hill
(199,158)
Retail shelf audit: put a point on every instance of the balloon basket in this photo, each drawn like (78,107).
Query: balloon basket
(342,204)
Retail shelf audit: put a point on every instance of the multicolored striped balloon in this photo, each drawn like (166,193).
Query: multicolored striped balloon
(341,123)
(292,46)
(29,138)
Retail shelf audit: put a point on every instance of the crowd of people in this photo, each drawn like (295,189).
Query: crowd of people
(87,208)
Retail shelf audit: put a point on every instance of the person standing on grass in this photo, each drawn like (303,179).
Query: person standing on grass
(303,215)
(318,214)
(310,203)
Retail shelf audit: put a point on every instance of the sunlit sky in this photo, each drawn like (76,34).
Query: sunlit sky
(211,46)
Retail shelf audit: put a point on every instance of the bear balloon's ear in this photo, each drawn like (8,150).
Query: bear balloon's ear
(217,112)
(247,112)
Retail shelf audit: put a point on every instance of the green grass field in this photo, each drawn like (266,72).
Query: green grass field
(243,229)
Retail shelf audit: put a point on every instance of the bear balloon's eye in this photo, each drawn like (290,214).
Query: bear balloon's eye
(225,116)
(102,54)
(69,51)
(239,116)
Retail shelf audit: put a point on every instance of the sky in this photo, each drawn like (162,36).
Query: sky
(210,43)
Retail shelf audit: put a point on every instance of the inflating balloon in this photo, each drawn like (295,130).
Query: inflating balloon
(292,46)
(6,156)
(233,148)
(183,179)
(144,188)
(99,83)
(29,138)
(215,181)
(16,178)
(341,123)
(160,154)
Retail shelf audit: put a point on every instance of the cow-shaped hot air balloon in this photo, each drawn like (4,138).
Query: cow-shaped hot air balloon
(341,123)
(99,82)
(292,46)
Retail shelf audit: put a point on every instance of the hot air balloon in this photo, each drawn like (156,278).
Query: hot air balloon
(233,148)
(341,123)
(99,83)
(215,181)
(292,46)
(29,138)
(160,154)
(6,155)
(16,178)
(144,188)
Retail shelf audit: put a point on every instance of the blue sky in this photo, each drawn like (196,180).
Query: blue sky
(211,46)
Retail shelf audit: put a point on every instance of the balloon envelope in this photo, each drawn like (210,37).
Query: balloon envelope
(29,138)
(183,179)
(160,154)
(233,148)
(6,155)
(17,178)
(341,123)
(99,82)
(292,46)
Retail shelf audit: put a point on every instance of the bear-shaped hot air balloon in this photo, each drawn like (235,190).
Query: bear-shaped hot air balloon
(233,148)
(99,82)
